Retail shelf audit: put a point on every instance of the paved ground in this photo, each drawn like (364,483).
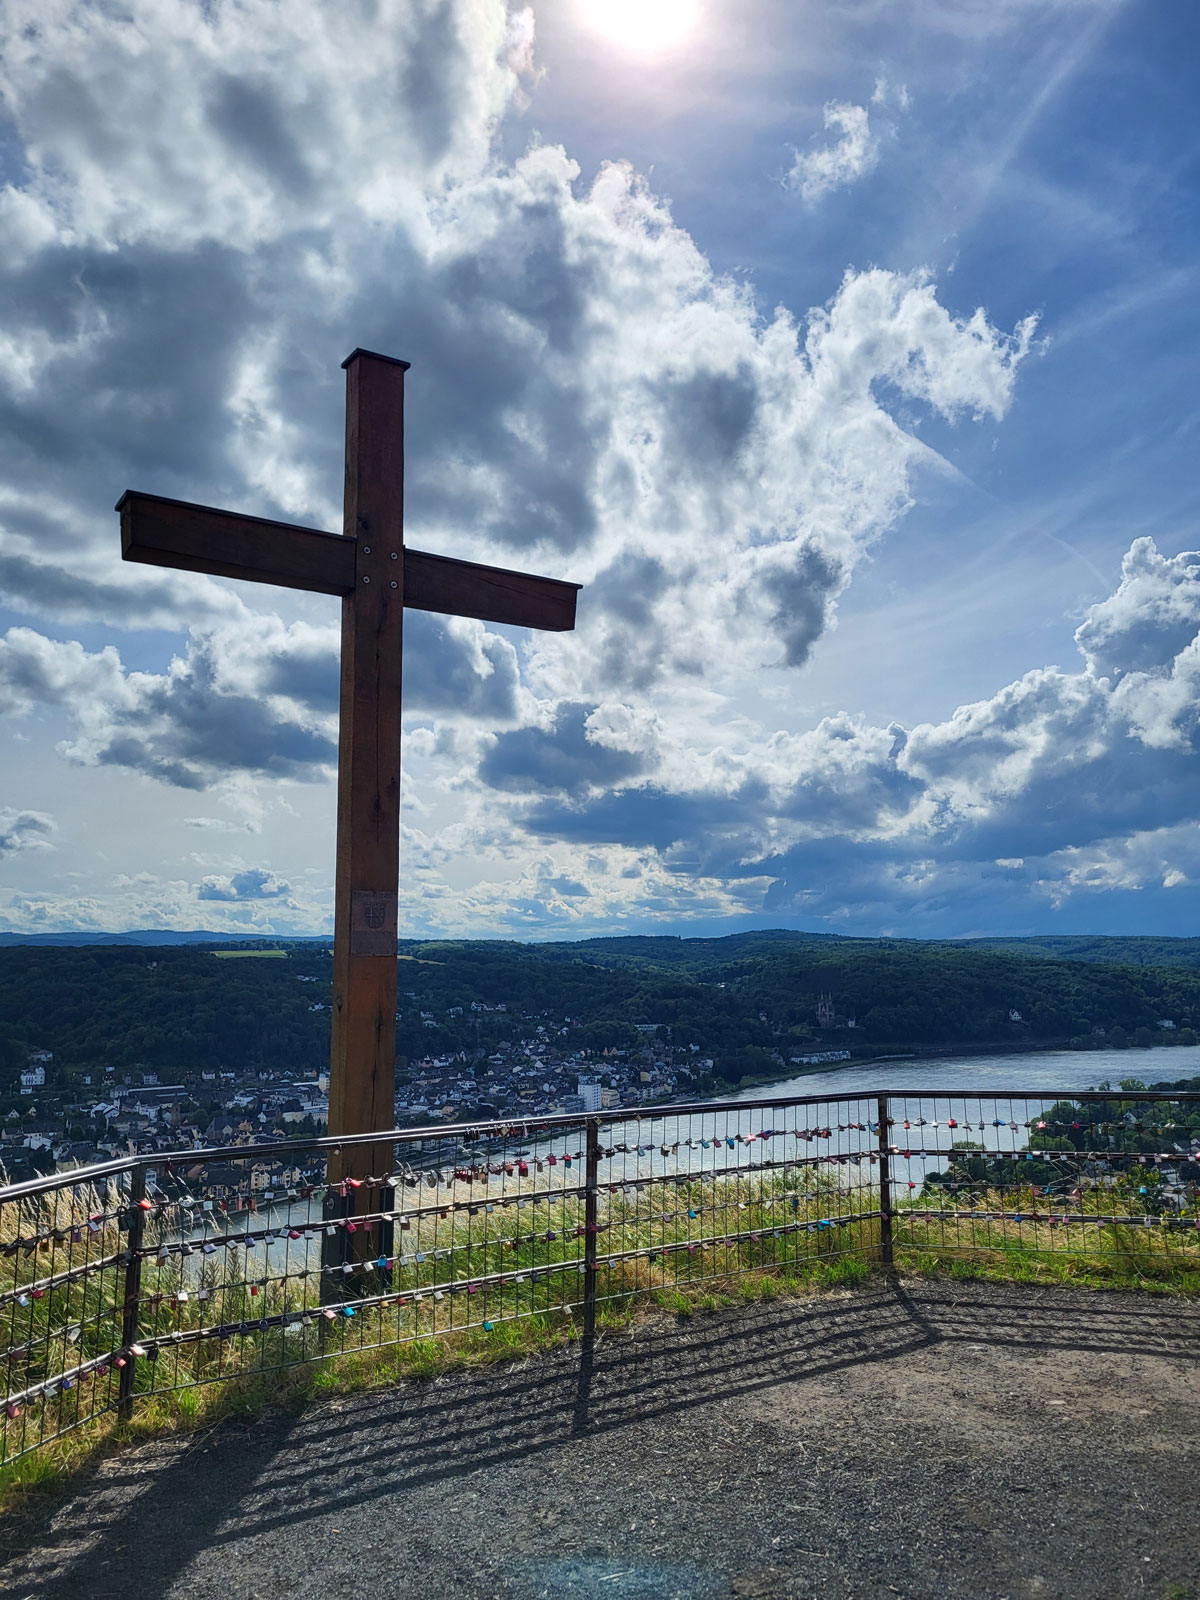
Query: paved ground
(921,1440)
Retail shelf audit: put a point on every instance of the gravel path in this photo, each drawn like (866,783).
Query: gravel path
(921,1440)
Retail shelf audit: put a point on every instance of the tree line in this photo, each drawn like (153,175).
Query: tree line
(749,1001)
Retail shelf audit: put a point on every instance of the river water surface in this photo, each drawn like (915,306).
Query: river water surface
(1053,1071)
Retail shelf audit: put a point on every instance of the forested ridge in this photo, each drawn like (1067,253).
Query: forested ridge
(1133,950)
(748,1000)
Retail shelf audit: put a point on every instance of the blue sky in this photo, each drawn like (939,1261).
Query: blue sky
(845,353)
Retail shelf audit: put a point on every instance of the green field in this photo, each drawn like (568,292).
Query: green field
(247,955)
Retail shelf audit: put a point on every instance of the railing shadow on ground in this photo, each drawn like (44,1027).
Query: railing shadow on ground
(240,1479)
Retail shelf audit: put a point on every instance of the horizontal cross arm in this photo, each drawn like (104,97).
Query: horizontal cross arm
(491,594)
(225,544)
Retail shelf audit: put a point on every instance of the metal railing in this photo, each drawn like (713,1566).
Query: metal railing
(150,1274)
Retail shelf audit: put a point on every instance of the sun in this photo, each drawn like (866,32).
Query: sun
(643,27)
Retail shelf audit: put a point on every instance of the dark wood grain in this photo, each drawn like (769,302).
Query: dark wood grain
(225,544)
(465,589)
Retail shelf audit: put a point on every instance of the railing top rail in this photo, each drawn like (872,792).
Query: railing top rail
(516,1127)
(65,1180)
(1029,1094)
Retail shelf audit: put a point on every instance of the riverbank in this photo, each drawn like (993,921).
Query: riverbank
(989,1071)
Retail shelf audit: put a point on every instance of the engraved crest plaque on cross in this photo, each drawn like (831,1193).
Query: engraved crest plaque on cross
(373,923)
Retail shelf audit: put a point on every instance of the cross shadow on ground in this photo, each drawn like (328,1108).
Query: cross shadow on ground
(133,1523)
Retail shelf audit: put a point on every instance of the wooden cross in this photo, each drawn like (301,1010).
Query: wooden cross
(376,576)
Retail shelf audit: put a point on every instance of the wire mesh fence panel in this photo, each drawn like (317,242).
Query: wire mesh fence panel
(707,1195)
(63,1259)
(153,1275)
(1100,1174)
(266,1267)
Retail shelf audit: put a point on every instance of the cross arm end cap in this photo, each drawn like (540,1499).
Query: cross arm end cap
(374,355)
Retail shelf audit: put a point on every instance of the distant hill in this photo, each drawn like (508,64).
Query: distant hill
(667,951)
(1133,950)
(144,936)
(677,951)
(695,954)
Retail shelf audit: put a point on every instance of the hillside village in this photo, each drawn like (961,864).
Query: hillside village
(62,1122)
(106,1052)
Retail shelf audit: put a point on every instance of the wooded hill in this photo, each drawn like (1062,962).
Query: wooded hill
(748,1000)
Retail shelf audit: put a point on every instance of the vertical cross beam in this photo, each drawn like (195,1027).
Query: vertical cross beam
(363,1051)
(369,568)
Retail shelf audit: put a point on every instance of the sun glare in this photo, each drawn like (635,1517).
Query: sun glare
(644,27)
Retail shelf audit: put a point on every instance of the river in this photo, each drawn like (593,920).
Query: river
(1053,1071)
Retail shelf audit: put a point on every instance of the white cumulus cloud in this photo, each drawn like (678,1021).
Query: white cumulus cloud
(25,830)
(205,221)
(1061,785)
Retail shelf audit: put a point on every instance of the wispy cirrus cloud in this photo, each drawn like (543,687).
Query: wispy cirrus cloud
(851,155)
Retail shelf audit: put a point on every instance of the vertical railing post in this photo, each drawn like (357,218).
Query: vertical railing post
(591,1196)
(132,1292)
(885,1185)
